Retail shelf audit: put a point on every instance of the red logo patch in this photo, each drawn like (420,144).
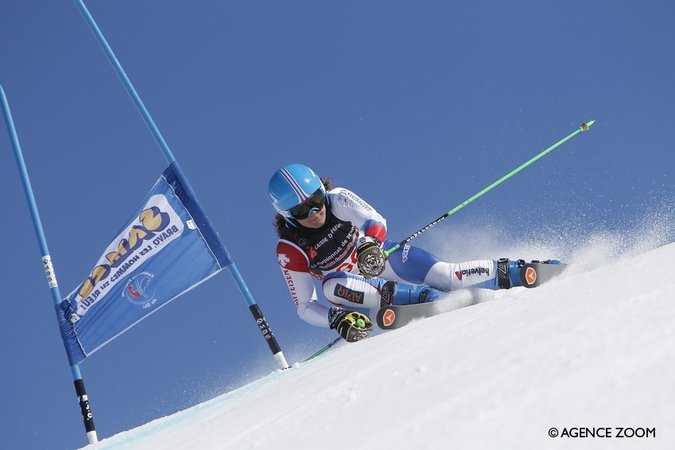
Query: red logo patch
(388,317)
(133,292)
(458,275)
(530,275)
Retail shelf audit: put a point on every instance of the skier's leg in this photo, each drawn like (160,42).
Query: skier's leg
(469,274)
(409,267)
(414,265)
(486,274)
(348,289)
(408,264)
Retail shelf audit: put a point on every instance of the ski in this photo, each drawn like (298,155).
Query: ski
(535,273)
(397,316)
(532,274)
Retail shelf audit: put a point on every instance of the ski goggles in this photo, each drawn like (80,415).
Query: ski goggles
(314,203)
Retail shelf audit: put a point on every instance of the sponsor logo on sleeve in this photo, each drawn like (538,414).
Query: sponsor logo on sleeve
(283,259)
(291,287)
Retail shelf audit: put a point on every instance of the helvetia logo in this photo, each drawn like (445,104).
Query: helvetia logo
(389,317)
(473,271)
(530,276)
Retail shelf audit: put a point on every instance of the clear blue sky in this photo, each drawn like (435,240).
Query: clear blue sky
(414,105)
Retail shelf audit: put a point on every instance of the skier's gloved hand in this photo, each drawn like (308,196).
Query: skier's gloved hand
(370,257)
(351,325)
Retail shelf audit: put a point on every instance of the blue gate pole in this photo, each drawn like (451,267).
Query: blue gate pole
(239,280)
(83,400)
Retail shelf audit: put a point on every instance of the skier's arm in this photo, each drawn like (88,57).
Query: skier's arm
(314,314)
(295,269)
(349,206)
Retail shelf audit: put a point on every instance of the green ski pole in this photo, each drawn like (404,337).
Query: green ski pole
(584,127)
(324,349)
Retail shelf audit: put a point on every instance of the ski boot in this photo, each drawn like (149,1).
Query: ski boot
(528,274)
(393,293)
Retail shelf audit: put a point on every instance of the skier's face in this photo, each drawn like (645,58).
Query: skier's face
(316,218)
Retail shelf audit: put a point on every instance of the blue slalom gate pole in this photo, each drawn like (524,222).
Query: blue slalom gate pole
(83,400)
(239,280)
(147,118)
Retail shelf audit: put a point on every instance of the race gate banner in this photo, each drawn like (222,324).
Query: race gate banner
(166,248)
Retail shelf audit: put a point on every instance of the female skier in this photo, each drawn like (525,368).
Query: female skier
(336,237)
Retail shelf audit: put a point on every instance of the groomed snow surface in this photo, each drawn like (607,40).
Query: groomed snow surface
(593,351)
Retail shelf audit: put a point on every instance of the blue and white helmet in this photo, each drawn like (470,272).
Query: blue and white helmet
(292,185)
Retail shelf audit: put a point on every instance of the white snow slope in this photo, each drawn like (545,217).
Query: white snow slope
(591,351)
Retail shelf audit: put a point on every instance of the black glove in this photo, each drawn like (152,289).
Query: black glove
(352,325)
(370,257)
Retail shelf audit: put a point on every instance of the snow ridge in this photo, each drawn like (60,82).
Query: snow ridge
(593,348)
